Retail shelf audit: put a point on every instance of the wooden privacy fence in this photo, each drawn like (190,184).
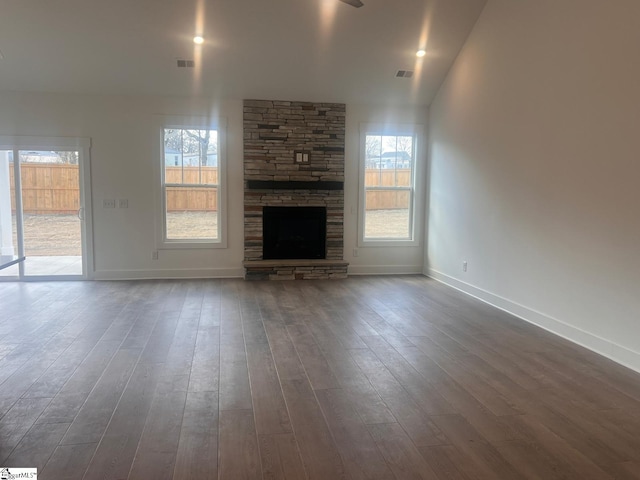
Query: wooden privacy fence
(191,199)
(47,188)
(193,175)
(387,199)
(53,188)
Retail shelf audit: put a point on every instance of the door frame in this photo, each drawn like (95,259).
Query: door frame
(83,147)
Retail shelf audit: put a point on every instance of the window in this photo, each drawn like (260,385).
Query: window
(192,186)
(388,179)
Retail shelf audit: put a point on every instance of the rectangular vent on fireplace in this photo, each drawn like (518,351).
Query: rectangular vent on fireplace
(294,232)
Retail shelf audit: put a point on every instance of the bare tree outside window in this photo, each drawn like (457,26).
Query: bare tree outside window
(69,157)
(190,142)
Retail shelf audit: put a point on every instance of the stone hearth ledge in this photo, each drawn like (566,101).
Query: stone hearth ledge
(298,269)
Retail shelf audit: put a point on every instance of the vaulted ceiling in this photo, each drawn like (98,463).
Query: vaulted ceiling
(317,50)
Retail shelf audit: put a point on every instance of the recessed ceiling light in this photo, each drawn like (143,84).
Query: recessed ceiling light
(420,53)
(198,40)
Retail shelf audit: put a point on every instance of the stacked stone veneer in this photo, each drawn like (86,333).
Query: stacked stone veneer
(273,132)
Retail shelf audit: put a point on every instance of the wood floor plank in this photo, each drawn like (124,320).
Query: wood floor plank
(288,363)
(35,367)
(235,391)
(239,456)
(271,415)
(475,447)
(370,377)
(6,348)
(197,456)
(533,461)
(364,398)
(378,323)
(360,455)
(59,372)
(608,447)
(205,368)
(417,424)
(69,400)
(400,453)
(318,451)
(93,418)
(37,446)
(440,460)
(423,392)
(312,358)
(533,432)
(280,457)
(340,327)
(573,376)
(6,403)
(461,368)
(17,422)
(118,446)
(68,462)
(12,362)
(158,446)
(491,426)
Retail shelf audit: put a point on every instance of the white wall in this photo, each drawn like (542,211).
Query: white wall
(535,163)
(124,132)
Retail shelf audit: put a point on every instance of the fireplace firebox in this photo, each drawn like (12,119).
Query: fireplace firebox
(294,232)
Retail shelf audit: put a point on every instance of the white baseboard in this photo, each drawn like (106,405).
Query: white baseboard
(168,274)
(619,354)
(238,272)
(384,269)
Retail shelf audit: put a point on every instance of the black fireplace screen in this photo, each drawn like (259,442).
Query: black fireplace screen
(294,232)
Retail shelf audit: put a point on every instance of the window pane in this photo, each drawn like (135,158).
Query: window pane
(373,146)
(50,202)
(192,213)
(191,156)
(388,163)
(387,214)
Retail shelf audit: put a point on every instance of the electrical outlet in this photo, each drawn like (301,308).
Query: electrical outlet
(464,266)
(123,203)
(109,203)
(355,252)
(154,255)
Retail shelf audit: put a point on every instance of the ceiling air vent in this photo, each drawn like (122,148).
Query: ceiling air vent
(404,73)
(186,63)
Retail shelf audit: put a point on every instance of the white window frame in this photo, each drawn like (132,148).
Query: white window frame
(185,123)
(417,132)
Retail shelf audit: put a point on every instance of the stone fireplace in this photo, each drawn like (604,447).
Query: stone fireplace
(294,175)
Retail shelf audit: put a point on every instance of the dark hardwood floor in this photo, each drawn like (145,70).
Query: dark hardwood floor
(365,378)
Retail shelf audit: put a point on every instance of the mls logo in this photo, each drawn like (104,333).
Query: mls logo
(16,473)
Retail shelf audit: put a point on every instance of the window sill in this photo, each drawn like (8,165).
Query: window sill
(391,242)
(190,245)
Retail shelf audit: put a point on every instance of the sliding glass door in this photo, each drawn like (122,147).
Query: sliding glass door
(44,221)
